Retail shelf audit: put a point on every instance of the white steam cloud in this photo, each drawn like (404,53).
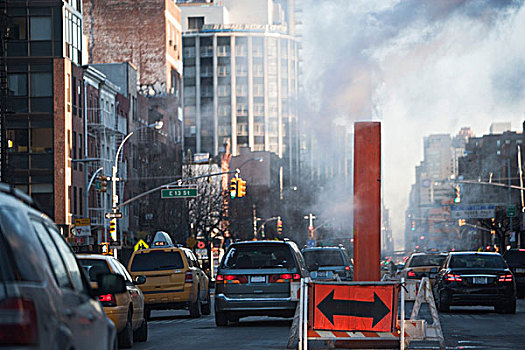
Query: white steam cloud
(421,67)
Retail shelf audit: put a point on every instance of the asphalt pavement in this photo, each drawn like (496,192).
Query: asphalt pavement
(463,327)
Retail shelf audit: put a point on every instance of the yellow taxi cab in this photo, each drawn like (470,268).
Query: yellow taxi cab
(174,280)
(126,310)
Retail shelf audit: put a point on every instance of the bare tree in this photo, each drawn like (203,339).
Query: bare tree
(206,211)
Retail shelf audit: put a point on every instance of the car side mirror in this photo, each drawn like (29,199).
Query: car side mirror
(110,283)
(139,280)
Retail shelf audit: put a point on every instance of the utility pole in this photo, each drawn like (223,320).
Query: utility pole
(254,210)
(310,217)
(3,93)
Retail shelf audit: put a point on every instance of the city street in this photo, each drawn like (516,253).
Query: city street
(464,328)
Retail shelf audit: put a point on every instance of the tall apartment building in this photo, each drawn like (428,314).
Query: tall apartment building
(45,128)
(240,78)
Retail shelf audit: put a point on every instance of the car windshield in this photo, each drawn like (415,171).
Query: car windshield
(94,267)
(256,256)
(427,260)
(477,261)
(322,257)
(157,260)
(514,256)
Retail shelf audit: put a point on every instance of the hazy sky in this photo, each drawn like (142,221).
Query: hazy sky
(420,66)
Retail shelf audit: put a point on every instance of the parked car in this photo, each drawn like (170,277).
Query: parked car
(328,263)
(46,301)
(126,310)
(515,259)
(475,278)
(421,265)
(174,280)
(254,279)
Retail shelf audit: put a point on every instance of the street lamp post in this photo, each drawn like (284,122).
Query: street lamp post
(114,207)
(157,125)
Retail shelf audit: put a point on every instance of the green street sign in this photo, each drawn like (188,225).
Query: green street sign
(511,211)
(178,193)
(98,185)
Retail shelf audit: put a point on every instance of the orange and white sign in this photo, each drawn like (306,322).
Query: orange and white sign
(349,307)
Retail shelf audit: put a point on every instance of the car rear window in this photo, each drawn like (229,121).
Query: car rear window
(257,256)
(514,256)
(477,261)
(427,260)
(94,267)
(157,260)
(323,258)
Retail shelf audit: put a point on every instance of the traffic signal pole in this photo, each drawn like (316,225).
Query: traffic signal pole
(367,201)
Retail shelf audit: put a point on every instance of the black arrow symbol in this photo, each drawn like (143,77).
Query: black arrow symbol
(376,309)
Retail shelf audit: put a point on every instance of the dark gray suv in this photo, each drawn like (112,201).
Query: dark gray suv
(328,263)
(254,279)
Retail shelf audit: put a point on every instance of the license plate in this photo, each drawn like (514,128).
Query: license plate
(479,280)
(258,279)
(520,270)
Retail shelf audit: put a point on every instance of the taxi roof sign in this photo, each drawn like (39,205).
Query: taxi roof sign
(140,245)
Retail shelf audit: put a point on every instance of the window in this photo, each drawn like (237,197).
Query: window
(195,23)
(41,84)
(224,90)
(157,261)
(258,109)
(53,255)
(258,90)
(223,71)
(223,50)
(17,84)
(74,199)
(17,140)
(40,28)
(69,258)
(42,140)
(18,28)
(242,129)
(242,109)
(94,267)
(258,70)
(241,70)
(242,90)
(251,256)
(224,110)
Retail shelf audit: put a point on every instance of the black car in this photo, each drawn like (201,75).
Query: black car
(254,279)
(474,278)
(515,259)
(324,263)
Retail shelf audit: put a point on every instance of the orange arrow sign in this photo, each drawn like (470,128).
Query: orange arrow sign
(346,307)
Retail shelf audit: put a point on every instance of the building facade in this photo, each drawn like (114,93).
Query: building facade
(45,127)
(240,78)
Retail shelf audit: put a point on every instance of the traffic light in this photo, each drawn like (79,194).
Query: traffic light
(241,188)
(113,229)
(279,226)
(103,183)
(233,188)
(413,227)
(458,195)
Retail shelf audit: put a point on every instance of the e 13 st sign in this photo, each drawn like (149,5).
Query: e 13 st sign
(178,193)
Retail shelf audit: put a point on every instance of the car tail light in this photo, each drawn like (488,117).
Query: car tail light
(18,322)
(188,277)
(284,277)
(107,300)
(453,278)
(235,279)
(347,268)
(411,274)
(505,278)
(219,279)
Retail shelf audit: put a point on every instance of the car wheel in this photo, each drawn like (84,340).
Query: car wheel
(221,319)
(206,308)
(141,334)
(443,303)
(147,313)
(506,308)
(195,307)
(125,338)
